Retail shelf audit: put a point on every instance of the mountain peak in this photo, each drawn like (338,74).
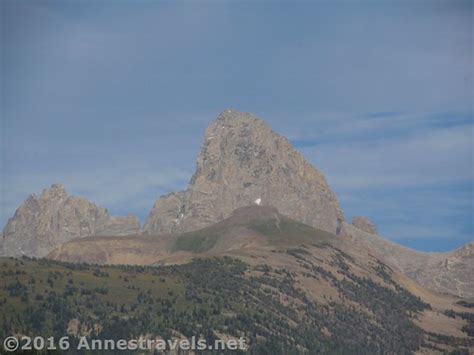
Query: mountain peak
(42,223)
(56,190)
(230,122)
(57,186)
(242,160)
(231,114)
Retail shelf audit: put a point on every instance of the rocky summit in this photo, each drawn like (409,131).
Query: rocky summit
(42,223)
(244,162)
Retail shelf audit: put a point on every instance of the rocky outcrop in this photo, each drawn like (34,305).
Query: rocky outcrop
(449,272)
(242,161)
(166,213)
(365,224)
(42,223)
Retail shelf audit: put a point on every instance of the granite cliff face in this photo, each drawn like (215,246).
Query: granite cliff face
(166,213)
(242,162)
(42,223)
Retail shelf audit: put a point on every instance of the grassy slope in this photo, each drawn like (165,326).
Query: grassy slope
(265,305)
(286,232)
(323,305)
(290,233)
(199,241)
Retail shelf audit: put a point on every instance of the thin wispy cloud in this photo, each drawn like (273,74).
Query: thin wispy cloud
(425,157)
(413,174)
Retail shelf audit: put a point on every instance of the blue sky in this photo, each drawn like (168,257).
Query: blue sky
(112,99)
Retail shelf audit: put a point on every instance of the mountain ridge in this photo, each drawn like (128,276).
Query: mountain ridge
(448,272)
(312,299)
(43,222)
(330,270)
(242,162)
(248,229)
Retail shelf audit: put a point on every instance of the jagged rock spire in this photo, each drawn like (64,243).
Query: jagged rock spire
(42,223)
(243,160)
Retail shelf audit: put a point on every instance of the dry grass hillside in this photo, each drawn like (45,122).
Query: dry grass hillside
(329,270)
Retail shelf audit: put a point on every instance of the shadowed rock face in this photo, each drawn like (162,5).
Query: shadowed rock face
(42,223)
(242,162)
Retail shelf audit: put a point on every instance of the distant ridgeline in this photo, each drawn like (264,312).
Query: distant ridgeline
(242,162)
(256,246)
